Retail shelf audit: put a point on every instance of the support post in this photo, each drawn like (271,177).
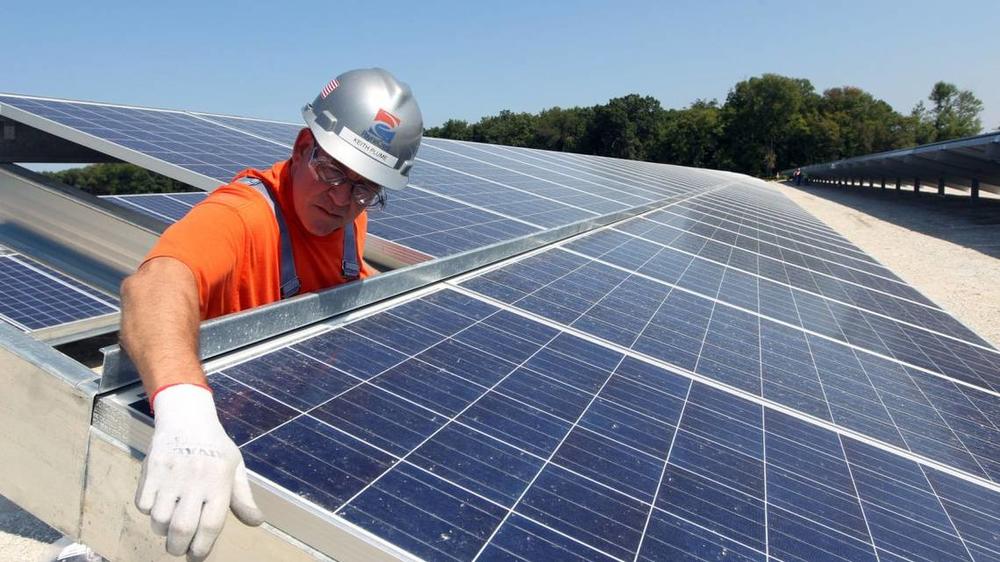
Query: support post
(899,184)
(975,189)
(941,186)
(916,185)
(883,183)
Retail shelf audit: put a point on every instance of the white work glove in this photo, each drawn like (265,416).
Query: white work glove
(193,473)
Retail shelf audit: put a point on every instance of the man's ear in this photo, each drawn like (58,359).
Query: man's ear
(303,143)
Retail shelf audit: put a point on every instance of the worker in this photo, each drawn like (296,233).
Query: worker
(296,227)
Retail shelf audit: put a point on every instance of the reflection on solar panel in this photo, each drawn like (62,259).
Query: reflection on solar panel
(36,297)
(165,207)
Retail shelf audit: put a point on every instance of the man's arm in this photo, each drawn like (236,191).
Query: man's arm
(160,319)
(194,473)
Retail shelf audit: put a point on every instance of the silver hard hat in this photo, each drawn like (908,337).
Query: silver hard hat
(369,122)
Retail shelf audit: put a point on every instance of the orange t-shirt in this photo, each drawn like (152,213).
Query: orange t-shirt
(232,245)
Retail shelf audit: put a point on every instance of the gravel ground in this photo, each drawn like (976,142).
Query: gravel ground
(948,248)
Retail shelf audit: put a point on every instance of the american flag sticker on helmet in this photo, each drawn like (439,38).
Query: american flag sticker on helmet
(329,88)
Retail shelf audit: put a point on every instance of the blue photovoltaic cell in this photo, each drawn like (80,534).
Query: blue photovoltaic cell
(485,435)
(36,297)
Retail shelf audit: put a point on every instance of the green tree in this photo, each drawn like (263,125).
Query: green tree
(955,112)
(118,178)
(625,127)
(455,129)
(508,128)
(765,123)
(859,123)
(692,136)
(561,129)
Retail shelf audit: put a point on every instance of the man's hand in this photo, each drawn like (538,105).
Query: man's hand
(193,474)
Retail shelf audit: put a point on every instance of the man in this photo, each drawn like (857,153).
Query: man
(298,226)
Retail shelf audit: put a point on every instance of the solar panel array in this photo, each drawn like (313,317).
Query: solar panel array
(625,396)
(721,377)
(165,207)
(466,195)
(35,296)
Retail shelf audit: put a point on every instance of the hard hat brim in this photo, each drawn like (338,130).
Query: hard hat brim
(337,145)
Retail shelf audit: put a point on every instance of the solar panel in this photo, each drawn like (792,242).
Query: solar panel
(487,195)
(455,429)
(649,404)
(35,297)
(164,207)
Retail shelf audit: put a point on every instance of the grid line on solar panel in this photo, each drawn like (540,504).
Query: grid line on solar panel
(483,152)
(592,200)
(923,317)
(782,211)
(846,417)
(615,169)
(274,131)
(692,212)
(591,169)
(800,526)
(953,362)
(723,208)
(508,186)
(36,297)
(762,247)
(158,205)
(846,273)
(697,214)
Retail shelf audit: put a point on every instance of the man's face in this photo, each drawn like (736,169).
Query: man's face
(321,208)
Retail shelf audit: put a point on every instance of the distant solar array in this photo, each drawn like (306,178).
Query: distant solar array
(967,163)
(721,377)
(35,297)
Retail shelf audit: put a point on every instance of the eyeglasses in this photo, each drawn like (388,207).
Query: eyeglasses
(327,170)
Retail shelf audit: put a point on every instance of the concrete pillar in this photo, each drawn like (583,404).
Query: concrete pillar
(975,189)
(899,184)
(883,183)
(916,185)
(940,186)
(871,182)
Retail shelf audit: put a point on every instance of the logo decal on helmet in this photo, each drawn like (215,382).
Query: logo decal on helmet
(381,130)
(330,87)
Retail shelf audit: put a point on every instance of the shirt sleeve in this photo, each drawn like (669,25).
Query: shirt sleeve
(209,240)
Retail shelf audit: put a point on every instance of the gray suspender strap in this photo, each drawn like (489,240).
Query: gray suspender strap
(289,279)
(349,266)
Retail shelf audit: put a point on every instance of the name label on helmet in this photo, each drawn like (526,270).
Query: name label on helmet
(368,148)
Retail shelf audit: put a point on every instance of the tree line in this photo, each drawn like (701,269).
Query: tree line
(767,123)
(118,178)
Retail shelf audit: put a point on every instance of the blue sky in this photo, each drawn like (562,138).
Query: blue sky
(469,59)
